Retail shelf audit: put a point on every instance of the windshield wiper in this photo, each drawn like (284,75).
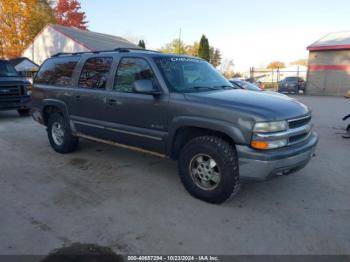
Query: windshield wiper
(200,88)
(208,88)
(226,86)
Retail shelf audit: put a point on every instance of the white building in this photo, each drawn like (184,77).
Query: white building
(55,39)
(24,66)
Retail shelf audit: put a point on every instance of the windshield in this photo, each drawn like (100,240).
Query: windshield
(246,85)
(184,74)
(6,69)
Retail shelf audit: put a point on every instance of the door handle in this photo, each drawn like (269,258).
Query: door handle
(78,98)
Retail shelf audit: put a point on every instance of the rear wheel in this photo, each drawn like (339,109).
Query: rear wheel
(23,112)
(60,135)
(208,168)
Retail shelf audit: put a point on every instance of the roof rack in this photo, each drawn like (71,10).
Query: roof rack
(120,49)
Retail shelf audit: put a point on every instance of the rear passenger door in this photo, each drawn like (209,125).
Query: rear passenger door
(137,119)
(88,110)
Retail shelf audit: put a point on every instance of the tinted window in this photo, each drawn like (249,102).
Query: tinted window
(130,70)
(95,72)
(185,74)
(57,72)
(292,79)
(6,69)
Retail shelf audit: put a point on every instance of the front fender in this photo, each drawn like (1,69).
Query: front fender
(226,128)
(56,103)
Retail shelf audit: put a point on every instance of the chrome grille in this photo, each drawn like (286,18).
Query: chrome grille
(10,91)
(294,123)
(300,129)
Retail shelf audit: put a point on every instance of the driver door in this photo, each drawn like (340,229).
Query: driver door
(135,119)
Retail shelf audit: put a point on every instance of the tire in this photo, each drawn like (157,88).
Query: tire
(23,112)
(60,135)
(213,150)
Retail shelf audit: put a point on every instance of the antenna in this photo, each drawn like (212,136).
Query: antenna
(179,51)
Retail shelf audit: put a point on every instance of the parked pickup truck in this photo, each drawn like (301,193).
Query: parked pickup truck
(14,90)
(173,106)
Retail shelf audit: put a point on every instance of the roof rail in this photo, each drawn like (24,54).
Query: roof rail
(126,49)
(120,49)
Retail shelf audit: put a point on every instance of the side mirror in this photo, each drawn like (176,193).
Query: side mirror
(145,87)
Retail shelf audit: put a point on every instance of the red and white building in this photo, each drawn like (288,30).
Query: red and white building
(329,65)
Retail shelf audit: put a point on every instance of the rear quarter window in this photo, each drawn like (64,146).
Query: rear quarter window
(57,71)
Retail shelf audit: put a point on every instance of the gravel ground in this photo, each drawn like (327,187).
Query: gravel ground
(135,203)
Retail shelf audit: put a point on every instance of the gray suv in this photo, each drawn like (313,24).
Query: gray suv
(173,106)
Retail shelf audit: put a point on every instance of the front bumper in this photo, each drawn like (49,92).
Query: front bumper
(262,165)
(20,102)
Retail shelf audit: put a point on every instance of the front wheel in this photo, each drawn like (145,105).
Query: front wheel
(60,135)
(208,168)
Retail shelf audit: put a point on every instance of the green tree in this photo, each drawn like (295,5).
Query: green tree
(204,49)
(175,47)
(179,47)
(142,44)
(192,50)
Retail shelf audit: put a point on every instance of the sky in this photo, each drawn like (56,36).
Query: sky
(251,32)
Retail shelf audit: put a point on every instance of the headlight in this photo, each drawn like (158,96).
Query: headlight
(29,90)
(270,127)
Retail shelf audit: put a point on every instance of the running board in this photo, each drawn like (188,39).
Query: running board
(121,145)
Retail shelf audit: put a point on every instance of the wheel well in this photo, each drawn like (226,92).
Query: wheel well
(186,134)
(48,110)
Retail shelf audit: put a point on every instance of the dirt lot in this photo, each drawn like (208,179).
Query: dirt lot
(136,203)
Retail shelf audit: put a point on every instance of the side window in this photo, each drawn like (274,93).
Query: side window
(95,73)
(57,71)
(130,70)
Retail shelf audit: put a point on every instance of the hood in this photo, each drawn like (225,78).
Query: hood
(268,107)
(13,81)
(275,93)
